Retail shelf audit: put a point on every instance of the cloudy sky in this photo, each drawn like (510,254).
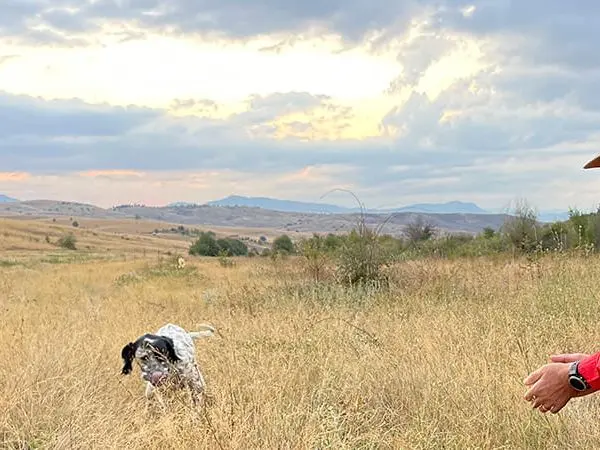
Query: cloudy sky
(153,101)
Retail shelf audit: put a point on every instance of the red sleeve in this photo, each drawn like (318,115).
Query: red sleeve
(589,368)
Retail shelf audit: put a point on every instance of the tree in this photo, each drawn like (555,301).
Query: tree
(488,233)
(419,230)
(232,247)
(205,245)
(522,229)
(283,244)
(208,245)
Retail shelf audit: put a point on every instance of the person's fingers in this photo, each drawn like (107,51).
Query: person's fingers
(534,376)
(567,357)
(536,402)
(558,405)
(529,395)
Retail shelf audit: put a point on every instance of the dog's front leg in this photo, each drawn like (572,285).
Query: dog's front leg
(149,390)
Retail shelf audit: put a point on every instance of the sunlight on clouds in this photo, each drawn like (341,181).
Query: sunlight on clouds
(463,62)
(190,77)
(333,121)
(468,11)
(14,176)
(162,187)
(112,173)
(154,71)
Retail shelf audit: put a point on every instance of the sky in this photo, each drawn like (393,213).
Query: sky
(151,101)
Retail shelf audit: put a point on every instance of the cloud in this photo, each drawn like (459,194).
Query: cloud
(538,32)
(74,136)
(493,99)
(239,18)
(466,156)
(112,174)
(31,117)
(14,176)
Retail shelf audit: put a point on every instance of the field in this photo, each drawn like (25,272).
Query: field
(434,361)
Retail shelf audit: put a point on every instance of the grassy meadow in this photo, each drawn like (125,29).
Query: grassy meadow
(434,361)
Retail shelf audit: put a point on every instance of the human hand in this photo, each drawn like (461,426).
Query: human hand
(549,388)
(568,357)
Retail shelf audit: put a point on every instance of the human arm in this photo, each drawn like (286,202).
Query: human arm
(549,387)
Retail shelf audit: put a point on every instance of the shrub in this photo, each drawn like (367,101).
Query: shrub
(68,241)
(488,233)
(232,247)
(284,245)
(362,258)
(314,253)
(207,245)
(522,229)
(75,223)
(224,259)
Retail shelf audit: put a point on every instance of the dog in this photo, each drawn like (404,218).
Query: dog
(168,357)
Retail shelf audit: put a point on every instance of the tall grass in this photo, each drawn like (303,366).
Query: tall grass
(436,360)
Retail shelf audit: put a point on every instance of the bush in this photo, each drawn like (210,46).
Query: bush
(315,254)
(362,258)
(207,245)
(68,241)
(523,230)
(284,245)
(419,230)
(232,247)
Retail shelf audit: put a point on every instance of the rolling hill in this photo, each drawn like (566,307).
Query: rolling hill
(274,204)
(206,216)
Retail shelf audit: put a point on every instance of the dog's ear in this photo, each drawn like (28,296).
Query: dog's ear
(128,354)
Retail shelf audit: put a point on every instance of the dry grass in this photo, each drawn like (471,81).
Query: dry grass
(437,361)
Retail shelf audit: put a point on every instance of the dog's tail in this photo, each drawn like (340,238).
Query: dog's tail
(207,331)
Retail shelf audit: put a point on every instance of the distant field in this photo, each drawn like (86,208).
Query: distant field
(103,238)
(435,361)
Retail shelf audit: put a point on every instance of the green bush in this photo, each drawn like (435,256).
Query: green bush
(315,254)
(232,247)
(522,229)
(284,245)
(205,245)
(362,258)
(68,241)
(208,245)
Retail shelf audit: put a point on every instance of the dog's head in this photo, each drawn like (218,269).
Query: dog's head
(155,355)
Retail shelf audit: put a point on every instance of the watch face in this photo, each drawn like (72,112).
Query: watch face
(576,383)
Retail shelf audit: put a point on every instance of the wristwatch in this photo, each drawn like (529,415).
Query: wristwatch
(576,381)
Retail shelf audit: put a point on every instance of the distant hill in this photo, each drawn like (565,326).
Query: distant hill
(281,205)
(454,207)
(274,204)
(206,216)
(282,216)
(5,199)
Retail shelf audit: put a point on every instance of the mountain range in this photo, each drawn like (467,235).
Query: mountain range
(274,204)
(5,199)
(453,207)
(275,214)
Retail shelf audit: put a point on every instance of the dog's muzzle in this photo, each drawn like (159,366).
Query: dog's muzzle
(155,378)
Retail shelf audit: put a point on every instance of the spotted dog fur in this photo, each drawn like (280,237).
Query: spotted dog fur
(167,357)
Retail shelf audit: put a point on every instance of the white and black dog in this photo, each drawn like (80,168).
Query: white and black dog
(169,356)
